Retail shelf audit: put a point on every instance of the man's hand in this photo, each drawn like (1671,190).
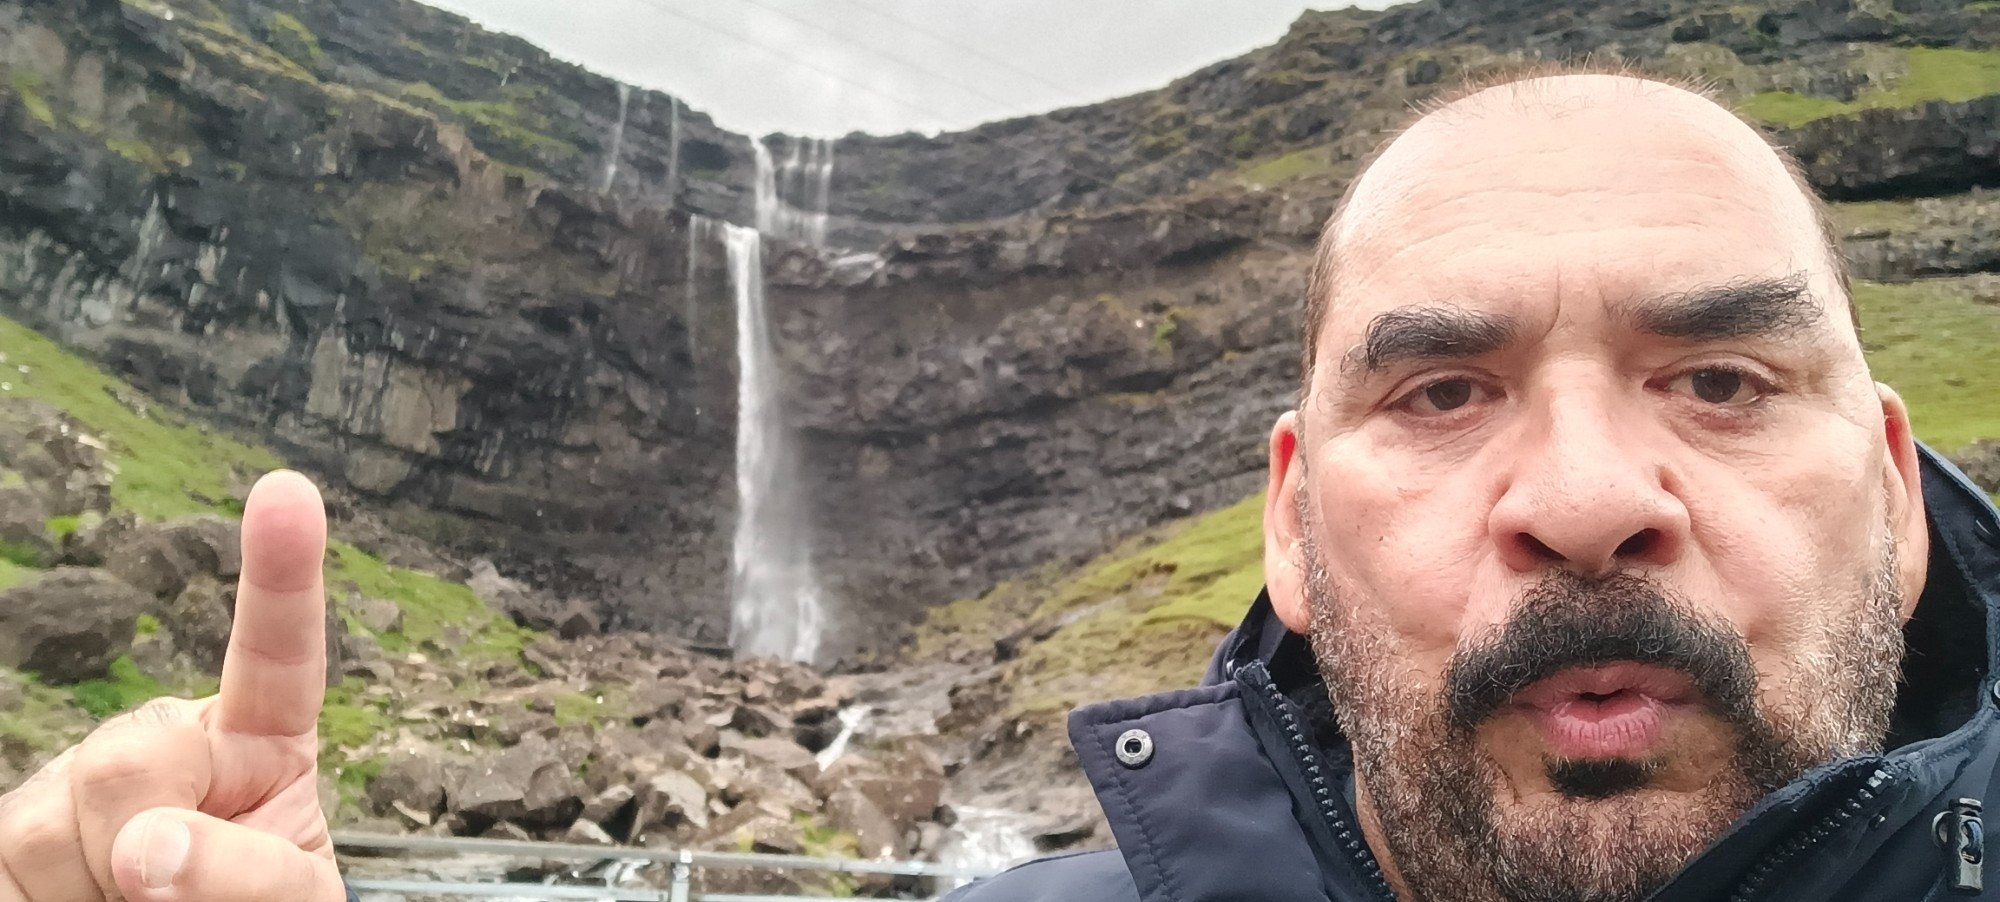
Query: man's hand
(202,801)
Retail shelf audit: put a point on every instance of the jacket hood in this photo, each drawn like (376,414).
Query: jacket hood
(1950,641)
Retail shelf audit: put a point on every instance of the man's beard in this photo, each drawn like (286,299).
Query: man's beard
(1606,834)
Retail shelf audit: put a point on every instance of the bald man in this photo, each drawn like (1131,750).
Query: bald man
(1594,560)
(1594,557)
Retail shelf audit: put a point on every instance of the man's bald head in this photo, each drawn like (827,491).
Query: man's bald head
(1624,112)
(1582,354)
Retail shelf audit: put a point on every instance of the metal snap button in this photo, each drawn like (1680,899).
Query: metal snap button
(1135,748)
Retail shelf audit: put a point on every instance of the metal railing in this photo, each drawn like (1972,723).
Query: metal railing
(681,861)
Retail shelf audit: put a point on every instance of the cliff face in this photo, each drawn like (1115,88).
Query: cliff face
(435,265)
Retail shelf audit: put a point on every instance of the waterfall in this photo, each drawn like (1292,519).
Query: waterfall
(617,135)
(851,719)
(701,234)
(775,605)
(986,838)
(774,595)
(673,149)
(805,177)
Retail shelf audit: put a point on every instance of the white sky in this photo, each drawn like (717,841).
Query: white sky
(828,67)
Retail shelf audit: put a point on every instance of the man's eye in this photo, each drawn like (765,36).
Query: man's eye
(1717,385)
(1442,396)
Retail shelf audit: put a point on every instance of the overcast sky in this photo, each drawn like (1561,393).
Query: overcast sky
(828,67)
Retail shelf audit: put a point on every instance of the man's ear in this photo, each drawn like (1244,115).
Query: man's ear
(1902,477)
(1284,558)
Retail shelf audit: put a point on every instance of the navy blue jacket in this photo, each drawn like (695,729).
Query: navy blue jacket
(1241,793)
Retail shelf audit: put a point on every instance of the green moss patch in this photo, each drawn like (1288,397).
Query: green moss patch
(441,615)
(167,465)
(123,689)
(509,118)
(43,720)
(1140,618)
(291,37)
(1931,73)
(349,719)
(1279,170)
(12,574)
(1876,216)
(27,88)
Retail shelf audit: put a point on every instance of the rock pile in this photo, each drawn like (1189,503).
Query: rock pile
(632,739)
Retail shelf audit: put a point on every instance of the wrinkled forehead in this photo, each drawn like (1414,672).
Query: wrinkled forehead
(1570,190)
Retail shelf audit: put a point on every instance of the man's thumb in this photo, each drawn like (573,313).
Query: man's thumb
(171,855)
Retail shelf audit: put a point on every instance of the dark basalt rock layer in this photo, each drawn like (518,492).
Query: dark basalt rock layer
(400,248)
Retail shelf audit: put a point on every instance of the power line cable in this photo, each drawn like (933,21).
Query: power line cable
(794,60)
(1107,183)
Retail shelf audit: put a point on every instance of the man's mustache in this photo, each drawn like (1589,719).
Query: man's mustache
(1568,621)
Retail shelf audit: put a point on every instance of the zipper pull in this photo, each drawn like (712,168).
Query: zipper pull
(1959,831)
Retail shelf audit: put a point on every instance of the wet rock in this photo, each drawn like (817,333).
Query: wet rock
(69,624)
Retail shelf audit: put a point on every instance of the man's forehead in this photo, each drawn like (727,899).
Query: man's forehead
(1624,186)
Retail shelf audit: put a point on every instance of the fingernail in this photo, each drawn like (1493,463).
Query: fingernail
(166,849)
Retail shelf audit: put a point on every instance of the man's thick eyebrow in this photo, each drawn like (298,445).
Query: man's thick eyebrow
(1780,308)
(1427,333)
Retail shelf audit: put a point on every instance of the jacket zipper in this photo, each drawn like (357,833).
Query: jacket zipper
(1826,827)
(1302,749)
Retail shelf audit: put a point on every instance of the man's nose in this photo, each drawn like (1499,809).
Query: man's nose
(1589,491)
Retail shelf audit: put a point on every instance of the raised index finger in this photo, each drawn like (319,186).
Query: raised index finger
(274,676)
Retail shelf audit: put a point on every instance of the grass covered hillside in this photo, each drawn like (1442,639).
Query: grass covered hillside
(1146,615)
(167,467)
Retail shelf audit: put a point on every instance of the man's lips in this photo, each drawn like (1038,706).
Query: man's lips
(1609,711)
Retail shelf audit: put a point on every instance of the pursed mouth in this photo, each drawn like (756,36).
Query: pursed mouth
(1617,710)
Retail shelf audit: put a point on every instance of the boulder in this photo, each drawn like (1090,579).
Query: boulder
(198,618)
(669,799)
(409,780)
(614,806)
(379,615)
(24,522)
(577,620)
(163,559)
(587,833)
(70,624)
(95,535)
(514,598)
(63,465)
(527,784)
(907,787)
(1981,462)
(850,811)
(782,754)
